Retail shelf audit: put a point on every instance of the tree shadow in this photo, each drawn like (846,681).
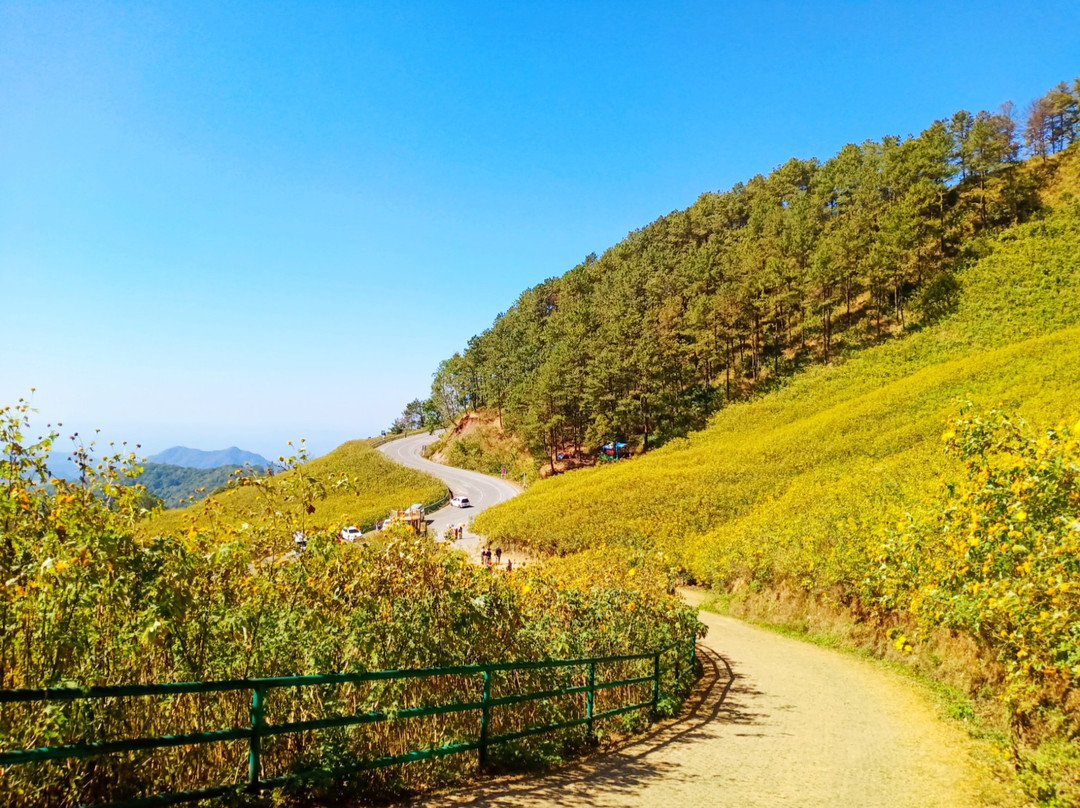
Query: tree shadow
(719,696)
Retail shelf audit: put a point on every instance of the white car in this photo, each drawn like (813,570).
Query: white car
(350,533)
(460,502)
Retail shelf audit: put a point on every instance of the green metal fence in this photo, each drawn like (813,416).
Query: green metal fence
(681,663)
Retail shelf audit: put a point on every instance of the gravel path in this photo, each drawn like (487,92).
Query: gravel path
(773,722)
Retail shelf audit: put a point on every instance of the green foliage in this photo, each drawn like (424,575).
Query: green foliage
(1053,120)
(708,305)
(178,485)
(469,453)
(352,485)
(417,415)
(88,597)
(998,555)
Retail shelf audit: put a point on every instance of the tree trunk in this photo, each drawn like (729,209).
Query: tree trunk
(826,326)
(727,371)
(756,347)
(982,195)
(644,404)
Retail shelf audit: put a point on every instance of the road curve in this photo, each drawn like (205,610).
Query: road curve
(774,722)
(483,491)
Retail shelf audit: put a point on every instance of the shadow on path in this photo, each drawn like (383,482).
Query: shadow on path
(626,768)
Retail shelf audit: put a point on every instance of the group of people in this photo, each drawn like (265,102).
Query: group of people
(453,532)
(486,556)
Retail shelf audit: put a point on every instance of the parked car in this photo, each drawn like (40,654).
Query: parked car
(460,502)
(350,533)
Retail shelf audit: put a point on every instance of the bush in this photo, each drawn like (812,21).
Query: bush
(87,599)
(999,558)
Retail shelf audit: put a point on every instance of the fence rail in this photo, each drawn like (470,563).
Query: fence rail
(682,660)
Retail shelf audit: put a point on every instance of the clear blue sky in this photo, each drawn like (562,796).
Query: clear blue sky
(243,223)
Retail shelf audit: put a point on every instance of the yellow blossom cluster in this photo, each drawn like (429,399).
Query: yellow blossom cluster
(999,557)
(87,597)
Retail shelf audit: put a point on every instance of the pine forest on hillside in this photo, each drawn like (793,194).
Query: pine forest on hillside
(921,497)
(706,305)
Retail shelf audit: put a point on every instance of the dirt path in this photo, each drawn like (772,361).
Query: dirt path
(773,722)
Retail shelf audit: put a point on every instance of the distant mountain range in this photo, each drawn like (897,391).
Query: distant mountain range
(175,484)
(199,459)
(180,472)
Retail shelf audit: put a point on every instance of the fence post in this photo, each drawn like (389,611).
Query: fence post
(590,698)
(656,682)
(255,751)
(485,718)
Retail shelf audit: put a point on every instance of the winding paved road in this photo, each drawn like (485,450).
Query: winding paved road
(483,491)
(773,722)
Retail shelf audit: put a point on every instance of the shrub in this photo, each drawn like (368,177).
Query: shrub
(87,599)
(999,556)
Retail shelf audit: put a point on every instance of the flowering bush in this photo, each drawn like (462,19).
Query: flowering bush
(1000,556)
(86,598)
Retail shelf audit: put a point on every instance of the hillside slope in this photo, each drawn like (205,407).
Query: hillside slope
(829,505)
(791,485)
(354,484)
(478,442)
(175,484)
